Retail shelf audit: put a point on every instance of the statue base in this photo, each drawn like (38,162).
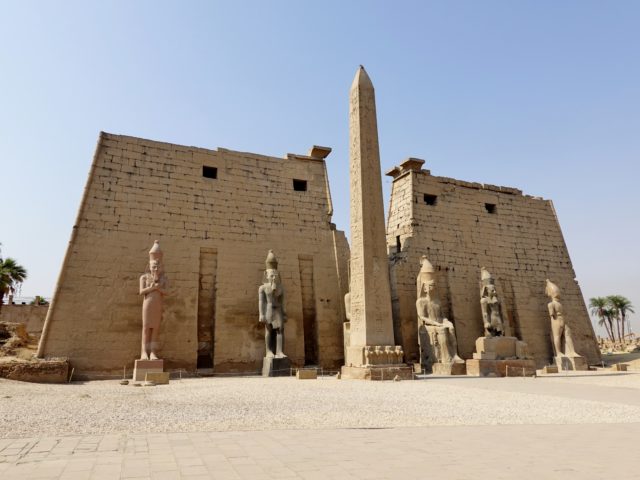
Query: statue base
(449,368)
(276,367)
(142,367)
(547,370)
(574,362)
(501,368)
(500,348)
(377,372)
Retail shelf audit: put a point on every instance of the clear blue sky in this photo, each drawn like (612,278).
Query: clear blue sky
(540,95)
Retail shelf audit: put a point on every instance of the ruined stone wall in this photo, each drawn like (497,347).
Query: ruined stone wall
(520,243)
(32,316)
(215,234)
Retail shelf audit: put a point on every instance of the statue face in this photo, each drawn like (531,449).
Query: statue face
(491,291)
(272,277)
(154,266)
(431,286)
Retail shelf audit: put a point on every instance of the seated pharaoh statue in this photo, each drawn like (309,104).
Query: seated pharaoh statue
(436,334)
(490,304)
(496,353)
(562,341)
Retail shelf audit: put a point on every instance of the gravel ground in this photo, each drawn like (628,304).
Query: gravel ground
(217,404)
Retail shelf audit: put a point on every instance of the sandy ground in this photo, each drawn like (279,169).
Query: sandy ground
(222,404)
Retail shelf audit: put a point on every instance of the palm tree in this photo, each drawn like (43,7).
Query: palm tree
(623,306)
(598,307)
(11,276)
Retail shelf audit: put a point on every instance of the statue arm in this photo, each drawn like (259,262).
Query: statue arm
(143,289)
(485,314)
(552,311)
(261,302)
(431,322)
(284,311)
(422,320)
(163,286)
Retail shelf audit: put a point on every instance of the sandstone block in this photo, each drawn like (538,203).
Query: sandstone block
(159,378)
(306,374)
(142,367)
(276,367)
(572,363)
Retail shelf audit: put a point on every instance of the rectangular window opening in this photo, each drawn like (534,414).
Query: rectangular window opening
(209,172)
(299,185)
(398,244)
(430,199)
(490,207)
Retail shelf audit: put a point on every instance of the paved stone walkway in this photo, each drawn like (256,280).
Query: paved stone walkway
(576,452)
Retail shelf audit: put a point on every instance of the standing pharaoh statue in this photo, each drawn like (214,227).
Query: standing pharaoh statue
(272,311)
(562,340)
(153,285)
(440,331)
(490,305)
(560,331)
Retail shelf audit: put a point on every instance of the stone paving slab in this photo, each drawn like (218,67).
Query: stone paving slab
(584,452)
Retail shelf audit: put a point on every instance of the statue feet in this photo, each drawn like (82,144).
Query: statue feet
(269,354)
(144,356)
(153,356)
(280,355)
(457,359)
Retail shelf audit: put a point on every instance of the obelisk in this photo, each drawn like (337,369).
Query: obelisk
(371,338)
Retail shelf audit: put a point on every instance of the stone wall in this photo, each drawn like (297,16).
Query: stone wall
(32,316)
(215,234)
(461,227)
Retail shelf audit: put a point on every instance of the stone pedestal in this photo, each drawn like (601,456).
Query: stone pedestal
(276,367)
(501,368)
(142,367)
(377,372)
(547,370)
(494,348)
(575,362)
(501,357)
(306,373)
(449,369)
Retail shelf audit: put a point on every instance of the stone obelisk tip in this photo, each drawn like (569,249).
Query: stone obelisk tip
(361,79)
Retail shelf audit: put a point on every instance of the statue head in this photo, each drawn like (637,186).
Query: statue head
(552,290)
(426,278)
(154,266)
(271,274)
(487,284)
(155,258)
(271,262)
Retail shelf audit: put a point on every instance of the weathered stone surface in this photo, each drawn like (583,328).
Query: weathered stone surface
(566,357)
(370,295)
(153,286)
(37,371)
(574,362)
(276,367)
(436,334)
(490,305)
(12,336)
(449,369)
(306,373)
(499,347)
(213,232)
(271,308)
(521,243)
(159,378)
(373,372)
(32,316)
(547,370)
(500,368)
(142,367)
